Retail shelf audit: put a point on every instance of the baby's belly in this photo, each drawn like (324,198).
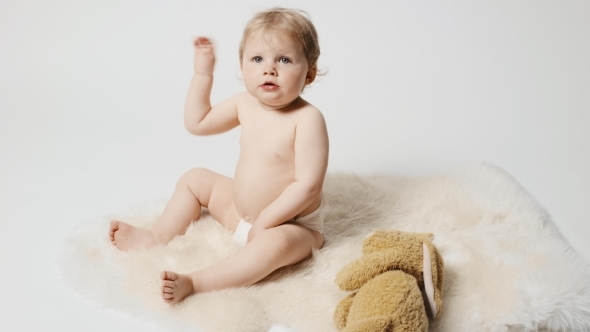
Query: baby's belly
(257,183)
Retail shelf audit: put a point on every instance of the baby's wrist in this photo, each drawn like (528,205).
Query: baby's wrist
(261,224)
(205,74)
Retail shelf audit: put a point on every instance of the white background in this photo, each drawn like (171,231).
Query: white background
(92,94)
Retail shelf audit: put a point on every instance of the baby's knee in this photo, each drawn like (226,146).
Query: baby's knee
(287,246)
(278,241)
(193,175)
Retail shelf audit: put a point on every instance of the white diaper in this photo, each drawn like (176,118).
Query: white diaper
(314,221)
(241,233)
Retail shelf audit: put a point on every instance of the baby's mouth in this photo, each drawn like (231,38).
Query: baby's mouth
(269,86)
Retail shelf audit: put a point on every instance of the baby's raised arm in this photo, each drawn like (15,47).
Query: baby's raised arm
(199,117)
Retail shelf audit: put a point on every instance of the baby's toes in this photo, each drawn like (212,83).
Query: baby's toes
(114,225)
(168,275)
(167,286)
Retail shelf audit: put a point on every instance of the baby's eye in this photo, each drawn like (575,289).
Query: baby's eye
(257,59)
(284,60)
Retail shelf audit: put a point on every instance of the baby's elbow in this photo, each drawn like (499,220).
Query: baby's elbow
(313,189)
(190,128)
(193,128)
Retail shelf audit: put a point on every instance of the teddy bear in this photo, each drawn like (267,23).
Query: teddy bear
(396,284)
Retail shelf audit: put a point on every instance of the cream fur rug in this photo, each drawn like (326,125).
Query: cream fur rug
(507,267)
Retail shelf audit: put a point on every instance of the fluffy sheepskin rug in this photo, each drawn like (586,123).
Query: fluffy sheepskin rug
(507,268)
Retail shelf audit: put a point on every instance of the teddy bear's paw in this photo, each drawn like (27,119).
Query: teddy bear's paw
(373,324)
(341,312)
(360,271)
(386,324)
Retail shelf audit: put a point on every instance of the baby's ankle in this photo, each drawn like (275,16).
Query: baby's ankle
(194,280)
(159,238)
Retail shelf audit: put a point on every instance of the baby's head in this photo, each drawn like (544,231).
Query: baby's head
(282,25)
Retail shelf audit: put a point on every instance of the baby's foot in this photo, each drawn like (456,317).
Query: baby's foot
(126,237)
(175,287)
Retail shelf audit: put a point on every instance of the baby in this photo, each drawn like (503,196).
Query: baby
(274,203)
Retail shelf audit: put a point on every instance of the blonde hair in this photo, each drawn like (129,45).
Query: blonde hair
(294,23)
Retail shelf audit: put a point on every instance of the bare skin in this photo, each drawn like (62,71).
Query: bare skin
(279,175)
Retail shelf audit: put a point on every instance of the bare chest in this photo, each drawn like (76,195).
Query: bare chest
(271,137)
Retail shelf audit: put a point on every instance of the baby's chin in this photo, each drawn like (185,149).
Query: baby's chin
(277,105)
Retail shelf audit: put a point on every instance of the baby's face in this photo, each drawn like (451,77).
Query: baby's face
(274,68)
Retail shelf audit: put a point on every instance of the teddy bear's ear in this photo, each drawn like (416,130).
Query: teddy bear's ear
(427,237)
(437,267)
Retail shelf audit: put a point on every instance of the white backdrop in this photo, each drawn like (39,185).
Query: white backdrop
(92,94)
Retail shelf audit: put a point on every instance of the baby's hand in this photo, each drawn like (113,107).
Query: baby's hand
(253,232)
(204,56)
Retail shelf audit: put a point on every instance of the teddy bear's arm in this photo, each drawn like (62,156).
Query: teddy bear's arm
(358,272)
(389,239)
(341,312)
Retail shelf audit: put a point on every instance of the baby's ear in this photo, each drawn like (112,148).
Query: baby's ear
(311,74)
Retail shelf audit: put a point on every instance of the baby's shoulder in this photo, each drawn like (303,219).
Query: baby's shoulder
(308,112)
(310,121)
(242,99)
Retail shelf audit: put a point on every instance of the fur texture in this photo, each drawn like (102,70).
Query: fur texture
(386,282)
(507,268)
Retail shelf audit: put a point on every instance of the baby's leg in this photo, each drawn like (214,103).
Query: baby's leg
(197,187)
(273,248)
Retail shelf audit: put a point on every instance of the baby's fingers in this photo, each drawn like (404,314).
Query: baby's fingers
(202,42)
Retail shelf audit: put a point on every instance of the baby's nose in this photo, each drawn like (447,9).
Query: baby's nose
(270,71)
